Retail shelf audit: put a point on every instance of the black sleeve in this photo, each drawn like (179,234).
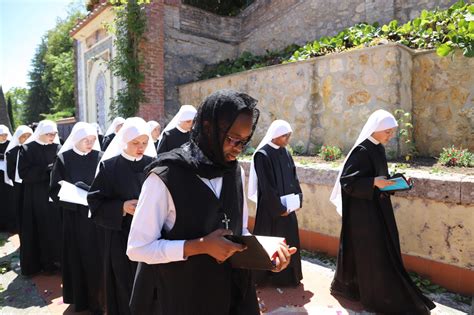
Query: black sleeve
(10,158)
(357,178)
(107,210)
(163,145)
(57,175)
(268,199)
(30,171)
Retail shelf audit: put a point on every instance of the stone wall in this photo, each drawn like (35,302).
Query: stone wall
(443,102)
(193,38)
(273,25)
(328,99)
(435,220)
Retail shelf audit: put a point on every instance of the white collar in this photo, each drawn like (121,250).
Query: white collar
(372,139)
(3,141)
(273,145)
(41,142)
(79,152)
(181,129)
(131,158)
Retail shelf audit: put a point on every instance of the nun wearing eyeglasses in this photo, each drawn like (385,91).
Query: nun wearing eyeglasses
(177,132)
(113,129)
(369,266)
(273,176)
(40,219)
(113,198)
(7,219)
(76,164)
(12,178)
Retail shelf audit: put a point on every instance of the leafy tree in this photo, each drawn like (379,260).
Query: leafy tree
(18,97)
(38,100)
(10,112)
(59,64)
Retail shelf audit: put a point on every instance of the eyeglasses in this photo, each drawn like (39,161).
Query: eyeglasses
(237,142)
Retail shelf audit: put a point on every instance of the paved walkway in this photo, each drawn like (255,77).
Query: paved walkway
(42,294)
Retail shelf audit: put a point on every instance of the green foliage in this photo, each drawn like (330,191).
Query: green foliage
(456,157)
(330,153)
(129,27)
(226,8)
(405,133)
(247,61)
(249,150)
(18,97)
(38,100)
(443,30)
(10,112)
(425,285)
(59,64)
(299,149)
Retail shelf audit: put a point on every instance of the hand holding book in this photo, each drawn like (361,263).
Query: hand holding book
(397,182)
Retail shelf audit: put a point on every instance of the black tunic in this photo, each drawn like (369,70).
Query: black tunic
(199,285)
(40,219)
(277,177)
(17,189)
(81,263)
(118,180)
(106,141)
(172,139)
(8,219)
(369,265)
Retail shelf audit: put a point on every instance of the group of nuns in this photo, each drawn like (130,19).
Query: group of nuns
(151,240)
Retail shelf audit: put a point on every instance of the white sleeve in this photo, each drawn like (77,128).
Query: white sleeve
(155,211)
(245,210)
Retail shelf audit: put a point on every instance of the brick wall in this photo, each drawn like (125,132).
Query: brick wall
(153,48)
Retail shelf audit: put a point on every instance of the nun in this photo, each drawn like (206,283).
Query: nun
(40,219)
(112,199)
(113,129)
(11,175)
(155,128)
(81,270)
(7,217)
(369,266)
(192,198)
(272,179)
(176,132)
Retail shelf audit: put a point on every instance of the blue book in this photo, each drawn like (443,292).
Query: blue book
(400,184)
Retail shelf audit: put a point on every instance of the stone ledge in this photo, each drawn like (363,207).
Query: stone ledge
(449,188)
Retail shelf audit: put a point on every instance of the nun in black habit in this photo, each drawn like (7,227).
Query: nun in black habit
(40,237)
(112,200)
(7,216)
(177,132)
(273,176)
(81,265)
(113,129)
(12,178)
(369,264)
(178,230)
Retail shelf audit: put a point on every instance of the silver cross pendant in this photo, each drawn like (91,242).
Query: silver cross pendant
(226,221)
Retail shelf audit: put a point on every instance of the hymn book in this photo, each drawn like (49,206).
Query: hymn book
(292,202)
(260,253)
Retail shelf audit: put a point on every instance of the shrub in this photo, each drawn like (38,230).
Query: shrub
(330,153)
(249,150)
(299,149)
(456,157)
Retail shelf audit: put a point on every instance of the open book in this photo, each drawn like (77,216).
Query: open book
(260,253)
(400,184)
(71,193)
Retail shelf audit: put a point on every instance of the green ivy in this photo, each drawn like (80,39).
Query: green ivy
(129,27)
(443,30)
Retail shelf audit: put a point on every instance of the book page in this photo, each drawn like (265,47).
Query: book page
(71,193)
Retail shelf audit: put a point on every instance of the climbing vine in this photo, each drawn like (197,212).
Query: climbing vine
(129,28)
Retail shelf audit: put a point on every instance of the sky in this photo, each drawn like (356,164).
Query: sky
(22,24)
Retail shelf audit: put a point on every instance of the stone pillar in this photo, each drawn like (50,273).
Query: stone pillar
(152,48)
